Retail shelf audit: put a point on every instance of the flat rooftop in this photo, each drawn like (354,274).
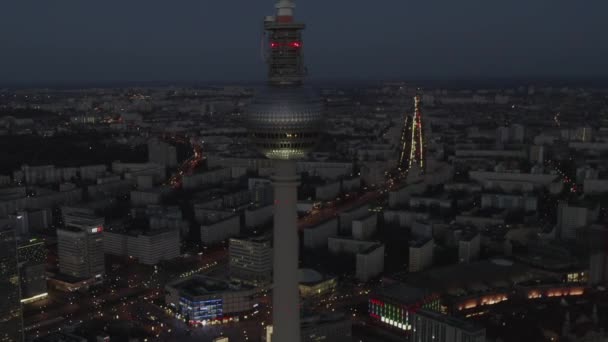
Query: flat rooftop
(475,276)
(451,321)
(203,286)
(402,293)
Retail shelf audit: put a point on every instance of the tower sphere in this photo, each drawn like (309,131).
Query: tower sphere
(285,122)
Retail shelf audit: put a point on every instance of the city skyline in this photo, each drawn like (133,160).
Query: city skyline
(176,172)
(72,42)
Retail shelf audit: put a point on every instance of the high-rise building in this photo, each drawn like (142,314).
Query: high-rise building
(251,260)
(80,244)
(284,122)
(32,269)
(571,217)
(421,255)
(11,320)
(598,268)
(469,247)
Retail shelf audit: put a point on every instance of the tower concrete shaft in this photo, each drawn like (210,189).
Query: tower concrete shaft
(285,292)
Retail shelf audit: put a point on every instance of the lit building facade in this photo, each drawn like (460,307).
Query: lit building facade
(392,307)
(11,320)
(32,269)
(203,300)
(251,260)
(81,252)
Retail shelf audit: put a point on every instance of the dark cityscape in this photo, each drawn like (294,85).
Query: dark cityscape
(303,171)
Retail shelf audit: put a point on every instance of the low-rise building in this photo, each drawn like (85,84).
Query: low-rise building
(202,299)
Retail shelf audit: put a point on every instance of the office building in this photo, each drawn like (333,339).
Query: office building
(11,320)
(251,260)
(32,256)
(80,244)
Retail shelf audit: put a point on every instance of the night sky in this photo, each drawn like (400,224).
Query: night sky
(204,40)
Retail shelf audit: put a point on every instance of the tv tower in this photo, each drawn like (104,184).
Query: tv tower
(284,121)
(413,144)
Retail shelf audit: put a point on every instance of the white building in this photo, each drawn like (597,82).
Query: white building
(251,260)
(347,217)
(148,248)
(514,182)
(258,216)
(404,218)
(365,228)
(572,217)
(469,248)
(142,198)
(370,262)
(595,186)
(510,202)
(351,184)
(369,255)
(212,177)
(114,188)
(598,268)
(316,237)
(212,233)
(510,134)
(421,255)
(327,191)
(132,170)
(537,154)
(162,153)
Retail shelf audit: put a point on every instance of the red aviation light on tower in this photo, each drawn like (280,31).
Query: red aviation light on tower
(295,45)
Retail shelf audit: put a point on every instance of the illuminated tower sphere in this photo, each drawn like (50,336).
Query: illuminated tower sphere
(284,122)
(285,118)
